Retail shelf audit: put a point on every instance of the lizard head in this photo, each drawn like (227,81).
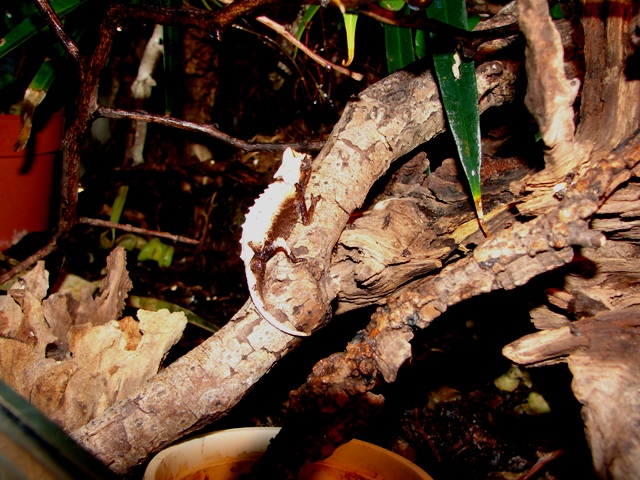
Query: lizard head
(291,167)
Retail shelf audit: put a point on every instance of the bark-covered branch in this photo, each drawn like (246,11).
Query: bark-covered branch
(399,113)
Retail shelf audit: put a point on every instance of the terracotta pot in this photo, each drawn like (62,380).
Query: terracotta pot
(227,454)
(26,177)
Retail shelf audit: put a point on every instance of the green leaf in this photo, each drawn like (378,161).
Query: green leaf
(350,20)
(155,304)
(421,41)
(107,241)
(33,24)
(536,405)
(118,204)
(308,15)
(556,12)
(393,5)
(398,42)
(44,77)
(130,241)
(472,21)
(157,251)
(459,93)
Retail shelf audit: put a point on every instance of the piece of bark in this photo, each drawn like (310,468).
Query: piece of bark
(400,239)
(550,94)
(383,250)
(607,113)
(385,122)
(602,354)
(114,289)
(73,372)
(604,278)
(550,98)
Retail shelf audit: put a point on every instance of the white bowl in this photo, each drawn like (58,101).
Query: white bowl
(225,455)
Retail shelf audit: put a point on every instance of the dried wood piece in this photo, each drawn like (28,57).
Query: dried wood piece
(608,113)
(550,95)
(602,354)
(383,250)
(73,370)
(550,98)
(399,239)
(604,278)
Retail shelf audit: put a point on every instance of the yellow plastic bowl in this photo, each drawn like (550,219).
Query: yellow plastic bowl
(227,454)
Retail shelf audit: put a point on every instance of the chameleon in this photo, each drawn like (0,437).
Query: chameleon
(270,221)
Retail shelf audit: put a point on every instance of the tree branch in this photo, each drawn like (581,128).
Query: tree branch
(208,130)
(236,357)
(56,26)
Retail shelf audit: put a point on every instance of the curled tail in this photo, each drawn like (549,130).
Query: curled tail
(256,297)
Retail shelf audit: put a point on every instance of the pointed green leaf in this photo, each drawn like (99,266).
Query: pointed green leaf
(116,213)
(118,204)
(350,20)
(459,93)
(308,15)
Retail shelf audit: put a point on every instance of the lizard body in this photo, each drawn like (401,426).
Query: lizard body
(269,223)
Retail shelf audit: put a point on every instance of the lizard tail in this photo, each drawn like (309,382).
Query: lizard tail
(262,310)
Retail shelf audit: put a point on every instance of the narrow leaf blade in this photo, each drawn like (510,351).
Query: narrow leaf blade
(308,15)
(398,43)
(171,59)
(459,93)
(350,21)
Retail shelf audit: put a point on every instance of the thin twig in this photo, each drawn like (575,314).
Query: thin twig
(55,24)
(31,260)
(131,229)
(542,462)
(209,130)
(282,30)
